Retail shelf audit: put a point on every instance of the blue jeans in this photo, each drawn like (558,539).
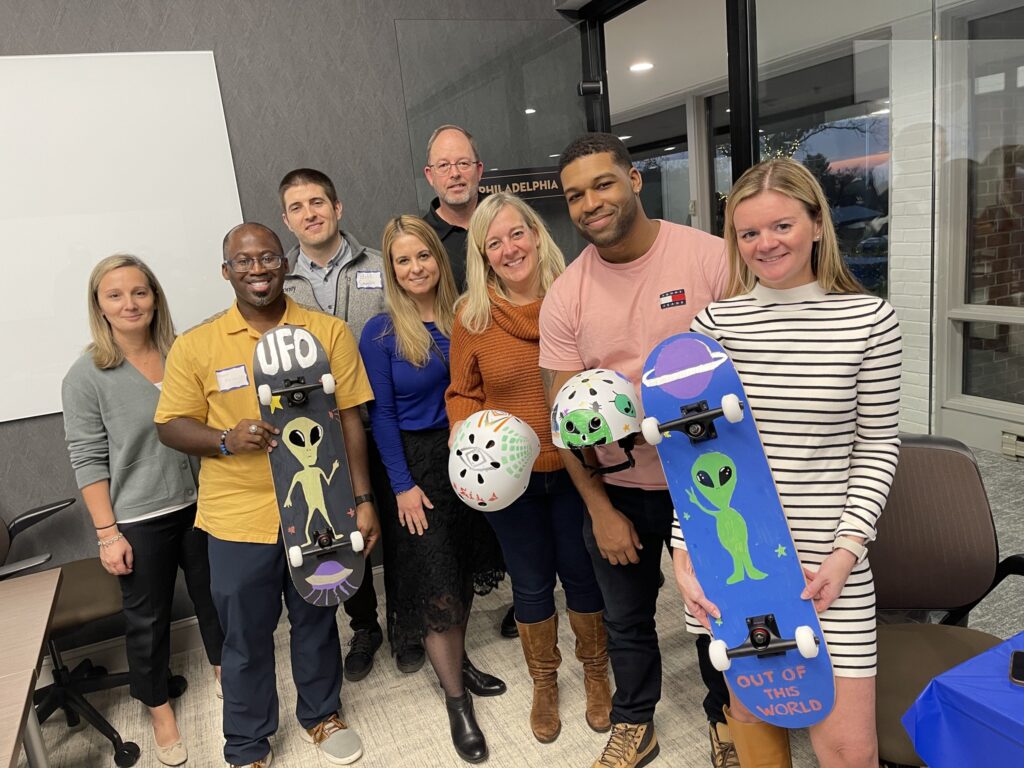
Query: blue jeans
(246,581)
(541,535)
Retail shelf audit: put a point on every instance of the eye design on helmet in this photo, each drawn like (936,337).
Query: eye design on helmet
(491,459)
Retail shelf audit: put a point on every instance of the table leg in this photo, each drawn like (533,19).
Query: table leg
(35,749)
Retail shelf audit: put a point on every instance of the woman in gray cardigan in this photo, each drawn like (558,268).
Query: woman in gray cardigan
(140,494)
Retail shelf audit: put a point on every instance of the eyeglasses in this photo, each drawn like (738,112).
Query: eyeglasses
(244,264)
(443,167)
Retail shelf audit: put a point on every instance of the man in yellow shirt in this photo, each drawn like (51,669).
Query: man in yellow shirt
(208,408)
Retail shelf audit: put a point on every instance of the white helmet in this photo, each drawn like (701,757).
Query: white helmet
(596,407)
(491,459)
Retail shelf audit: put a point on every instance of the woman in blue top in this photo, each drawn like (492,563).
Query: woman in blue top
(438,550)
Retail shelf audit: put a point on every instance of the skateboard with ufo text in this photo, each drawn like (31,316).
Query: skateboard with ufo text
(768,641)
(309,465)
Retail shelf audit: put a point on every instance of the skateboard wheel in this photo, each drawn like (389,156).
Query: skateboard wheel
(264,394)
(327,380)
(649,429)
(719,653)
(357,541)
(295,557)
(805,642)
(732,409)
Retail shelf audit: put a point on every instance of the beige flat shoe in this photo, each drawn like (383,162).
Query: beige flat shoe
(176,754)
(217,689)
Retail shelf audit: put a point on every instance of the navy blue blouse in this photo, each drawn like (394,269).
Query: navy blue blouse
(405,397)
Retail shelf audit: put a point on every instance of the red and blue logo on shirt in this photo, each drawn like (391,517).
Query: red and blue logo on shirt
(673,298)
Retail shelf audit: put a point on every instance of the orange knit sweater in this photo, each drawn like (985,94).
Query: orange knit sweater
(498,369)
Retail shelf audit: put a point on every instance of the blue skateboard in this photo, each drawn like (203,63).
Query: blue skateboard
(768,641)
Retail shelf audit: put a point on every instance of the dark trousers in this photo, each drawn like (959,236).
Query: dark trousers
(630,598)
(160,546)
(247,581)
(541,535)
(361,608)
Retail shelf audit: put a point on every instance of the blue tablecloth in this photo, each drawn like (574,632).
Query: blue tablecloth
(971,715)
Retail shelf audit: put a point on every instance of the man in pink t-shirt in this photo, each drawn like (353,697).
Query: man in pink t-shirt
(640,281)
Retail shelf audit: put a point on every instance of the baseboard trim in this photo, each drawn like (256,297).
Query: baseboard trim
(110,653)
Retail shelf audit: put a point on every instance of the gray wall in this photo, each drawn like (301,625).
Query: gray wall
(313,83)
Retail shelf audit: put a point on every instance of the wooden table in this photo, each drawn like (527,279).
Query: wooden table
(26,604)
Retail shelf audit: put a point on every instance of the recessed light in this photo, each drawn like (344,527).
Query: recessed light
(884,111)
(555,155)
(668,149)
(529,110)
(492,169)
(641,66)
(623,138)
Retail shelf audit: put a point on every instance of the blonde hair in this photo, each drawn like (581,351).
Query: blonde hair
(792,179)
(105,352)
(475,303)
(412,338)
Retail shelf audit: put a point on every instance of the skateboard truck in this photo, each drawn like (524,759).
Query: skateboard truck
(696,422)
(324,542)
(763,640)
(295,390)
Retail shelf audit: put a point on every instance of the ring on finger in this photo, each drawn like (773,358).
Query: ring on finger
(253,429)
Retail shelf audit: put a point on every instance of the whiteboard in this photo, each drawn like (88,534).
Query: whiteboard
(103,154)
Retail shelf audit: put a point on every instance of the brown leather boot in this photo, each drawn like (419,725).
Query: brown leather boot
(759,745)
(592,651)
(540,649)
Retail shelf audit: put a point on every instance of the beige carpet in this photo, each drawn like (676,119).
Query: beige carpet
(401,718)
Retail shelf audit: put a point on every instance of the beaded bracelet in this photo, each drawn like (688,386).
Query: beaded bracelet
(223,445)
(111,540)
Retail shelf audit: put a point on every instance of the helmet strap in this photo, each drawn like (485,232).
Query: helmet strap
(627,443)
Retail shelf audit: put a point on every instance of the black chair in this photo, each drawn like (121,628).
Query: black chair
(87,593)
(936,551)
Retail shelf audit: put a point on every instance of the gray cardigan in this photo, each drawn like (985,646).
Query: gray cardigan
(108,425)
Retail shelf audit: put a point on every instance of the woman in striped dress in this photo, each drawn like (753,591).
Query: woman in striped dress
(820,364)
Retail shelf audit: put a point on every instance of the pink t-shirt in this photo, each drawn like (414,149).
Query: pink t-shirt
(603,315)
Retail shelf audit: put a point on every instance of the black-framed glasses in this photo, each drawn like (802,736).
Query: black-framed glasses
(244,264)
(443,167)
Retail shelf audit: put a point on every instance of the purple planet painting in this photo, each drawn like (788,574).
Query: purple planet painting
(684,368)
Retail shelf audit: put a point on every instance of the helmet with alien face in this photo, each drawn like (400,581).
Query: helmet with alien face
(491,459)
(596,407)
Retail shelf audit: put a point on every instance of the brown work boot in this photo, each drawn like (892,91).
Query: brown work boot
(540,649)
(759,745)
(723,751)
(592,651)
(631,745)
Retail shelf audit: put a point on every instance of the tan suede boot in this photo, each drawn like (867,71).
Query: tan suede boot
(592,651)
(759,745)
(540,649)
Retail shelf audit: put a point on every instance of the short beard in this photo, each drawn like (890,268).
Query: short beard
(614,236)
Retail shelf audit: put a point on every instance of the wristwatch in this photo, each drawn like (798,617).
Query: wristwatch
(364,498)
(852,546)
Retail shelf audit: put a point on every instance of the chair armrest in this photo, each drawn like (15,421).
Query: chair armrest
(33,516)
(12,569)
(1010,566)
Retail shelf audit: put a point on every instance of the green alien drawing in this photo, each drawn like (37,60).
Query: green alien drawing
(302,438)
(715,476)
(624,405)
(584,428)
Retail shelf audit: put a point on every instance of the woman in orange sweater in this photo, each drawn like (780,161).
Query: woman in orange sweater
(511,261)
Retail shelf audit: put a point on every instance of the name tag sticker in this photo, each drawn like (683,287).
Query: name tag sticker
(232,378)
(369,279)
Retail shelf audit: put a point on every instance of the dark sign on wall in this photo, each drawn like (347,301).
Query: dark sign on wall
(528,183)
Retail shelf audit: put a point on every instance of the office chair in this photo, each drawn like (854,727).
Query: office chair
(87,593)
(936,550)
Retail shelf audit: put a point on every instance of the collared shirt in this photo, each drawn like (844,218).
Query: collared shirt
(208,378)
(324,280)
(453,238)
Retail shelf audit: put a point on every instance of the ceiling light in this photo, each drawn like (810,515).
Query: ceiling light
(623,138)
(668,149)
(727,110)
(641,66)
(529,110)
(492,169)
(555,155)
(884,111)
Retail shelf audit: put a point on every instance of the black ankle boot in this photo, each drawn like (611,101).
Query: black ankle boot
(466,734)
(480,683)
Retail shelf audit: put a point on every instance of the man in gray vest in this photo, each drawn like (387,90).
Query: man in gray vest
(332,272)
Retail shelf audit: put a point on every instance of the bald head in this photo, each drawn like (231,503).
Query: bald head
(247,227)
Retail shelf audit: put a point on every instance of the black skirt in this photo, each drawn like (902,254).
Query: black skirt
(433,576)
